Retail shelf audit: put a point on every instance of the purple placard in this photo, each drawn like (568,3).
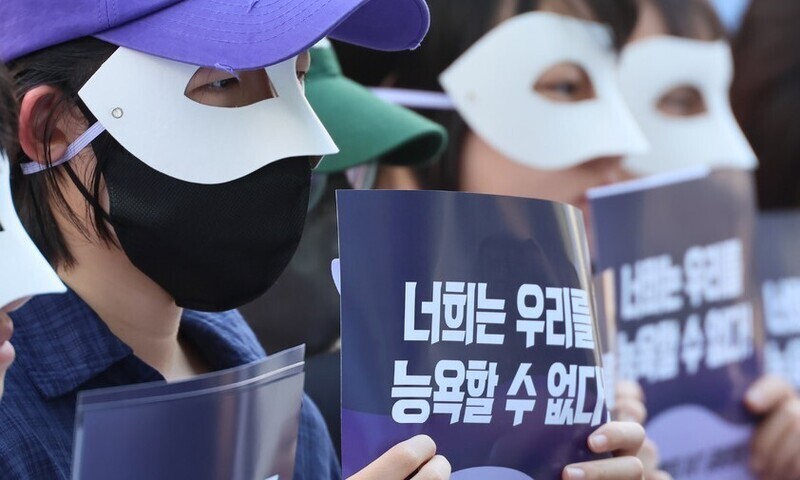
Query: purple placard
(677,253)
(468,318)
(779,272)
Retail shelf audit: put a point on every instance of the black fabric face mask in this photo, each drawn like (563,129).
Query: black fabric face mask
(212,247)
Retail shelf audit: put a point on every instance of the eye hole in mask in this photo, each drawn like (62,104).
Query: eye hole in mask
(225,88)
(219,88)
(565,82)
(682,101)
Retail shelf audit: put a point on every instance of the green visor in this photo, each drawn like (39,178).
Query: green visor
(364,127)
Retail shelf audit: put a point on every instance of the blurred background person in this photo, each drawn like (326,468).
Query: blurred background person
(762,91)
(473,163)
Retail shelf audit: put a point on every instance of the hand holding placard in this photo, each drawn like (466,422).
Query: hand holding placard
(774,447)
(469,318)
(414,459)
(624,440)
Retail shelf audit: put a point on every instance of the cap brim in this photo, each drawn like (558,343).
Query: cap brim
(251,34)
(366,128)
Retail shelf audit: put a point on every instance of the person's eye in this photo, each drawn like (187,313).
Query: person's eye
(303,63)
(218,88)
(682,101)
(214,87)
(565,82)
(222,84)
(565,89)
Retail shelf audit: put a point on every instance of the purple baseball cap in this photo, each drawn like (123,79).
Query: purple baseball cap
(240,34)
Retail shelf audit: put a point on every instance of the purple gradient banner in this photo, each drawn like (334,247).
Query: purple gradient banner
(468,318)
(678,275)
(779,272)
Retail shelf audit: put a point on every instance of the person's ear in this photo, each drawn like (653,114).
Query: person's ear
(43,124)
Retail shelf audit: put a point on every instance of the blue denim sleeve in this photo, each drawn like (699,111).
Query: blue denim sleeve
(316,458)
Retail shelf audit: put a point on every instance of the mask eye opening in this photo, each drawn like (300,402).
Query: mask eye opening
(682,101)
(224,88)
(565,82)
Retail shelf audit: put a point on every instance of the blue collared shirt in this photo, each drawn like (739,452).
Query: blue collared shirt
(63,347)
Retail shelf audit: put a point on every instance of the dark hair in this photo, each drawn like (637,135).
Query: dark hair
(690,18)
(455,26)
(8,114)
(67,67)
(766,97)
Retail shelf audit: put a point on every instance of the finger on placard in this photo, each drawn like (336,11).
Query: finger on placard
(628,389)
(658,475)
(400,461)
(621,438)
(649,456)
(767,394)
(770,433)
(438,468)
(619,468)
(629,409)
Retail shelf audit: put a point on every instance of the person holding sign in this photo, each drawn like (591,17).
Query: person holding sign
(689,125)
(508,107)
(166,149)
(23,271)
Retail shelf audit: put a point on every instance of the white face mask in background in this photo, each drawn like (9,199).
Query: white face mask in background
(653,67)
(23,271)
(492,87)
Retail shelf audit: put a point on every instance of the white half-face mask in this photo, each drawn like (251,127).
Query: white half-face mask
(23,271)
(492,87)
(140,100)
(651,68)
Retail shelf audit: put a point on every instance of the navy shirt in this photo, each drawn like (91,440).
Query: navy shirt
(63,347)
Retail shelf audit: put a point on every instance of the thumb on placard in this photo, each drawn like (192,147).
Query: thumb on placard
(767,394)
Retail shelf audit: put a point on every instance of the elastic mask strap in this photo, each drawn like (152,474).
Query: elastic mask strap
(72,150)
(421,99)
